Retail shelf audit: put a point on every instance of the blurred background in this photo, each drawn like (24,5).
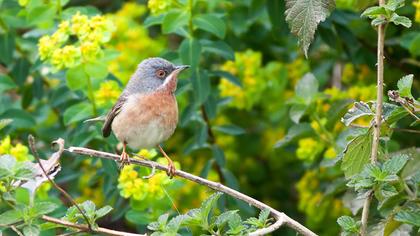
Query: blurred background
(240,119)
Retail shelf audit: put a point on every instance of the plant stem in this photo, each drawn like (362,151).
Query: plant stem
(378,116)
(91,96)
(190,20)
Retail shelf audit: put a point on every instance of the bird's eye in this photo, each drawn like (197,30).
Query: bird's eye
(160,73)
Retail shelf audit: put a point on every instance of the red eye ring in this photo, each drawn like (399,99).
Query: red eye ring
(160,73)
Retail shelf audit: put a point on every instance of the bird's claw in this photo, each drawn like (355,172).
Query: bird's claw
(124,159)
(171,170)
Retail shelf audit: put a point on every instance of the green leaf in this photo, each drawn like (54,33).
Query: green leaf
(138,217)
(96,69)
(89,208)
(296,112)
(201,86)
(228,76)
(6,83)
(24,170)
(76,77)
(404,85)
(374,12)
(174,224)
(103,211)
(295,132)
(5,122)
(278,23)
(263,216)
(393,5)
(348,224)
(22,196)
(21,118)
(307,88)
(235,224)
(223,218)
(189,51)
(400,20)
(10,217)
(7,46)
(388,190)
(210,23)
(218,155)
(153,20)
(358,110)
(395,164)
(219,48)
(378,21)
(229,129)
(207,206)
(77,112)
(174,20)
(31,230)
(414,46)
(193,217)
(41,14)
(20,71)
(357,154)
(303,17)
(408,217)
(42,208)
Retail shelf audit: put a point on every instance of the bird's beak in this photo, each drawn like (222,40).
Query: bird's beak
(181,68)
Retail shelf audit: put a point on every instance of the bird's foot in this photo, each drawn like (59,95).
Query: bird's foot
(171,169)
(124,159)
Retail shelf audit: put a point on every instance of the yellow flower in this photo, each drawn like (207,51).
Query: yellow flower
(330,153)
(80,25)
(45,46)
(416,4)
(107,94)
(159,6)
(148,154)
(19,151)
(90,50)
(23,3)
(308,149)
(68,56)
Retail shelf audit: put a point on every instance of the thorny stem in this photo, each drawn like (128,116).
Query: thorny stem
(378,116)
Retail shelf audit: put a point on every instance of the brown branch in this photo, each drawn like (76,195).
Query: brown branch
(60,143)
(378,116)
(85,228)
(280,217)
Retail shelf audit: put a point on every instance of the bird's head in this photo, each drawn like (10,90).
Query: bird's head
(154,73)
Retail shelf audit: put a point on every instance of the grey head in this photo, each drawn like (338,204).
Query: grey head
(150,74)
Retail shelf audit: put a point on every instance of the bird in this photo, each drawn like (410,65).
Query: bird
(146,112)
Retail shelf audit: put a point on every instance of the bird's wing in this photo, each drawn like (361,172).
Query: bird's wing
(106,129)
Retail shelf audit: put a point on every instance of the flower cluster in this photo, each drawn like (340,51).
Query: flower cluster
(107,94)
(19,151)
(317,207)
(247,67)
(91,34)
(416,4)
(157,7)
(132,185)
(308,149)
(131,39)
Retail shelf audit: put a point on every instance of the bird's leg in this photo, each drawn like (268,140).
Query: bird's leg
(124,158)
(171,167)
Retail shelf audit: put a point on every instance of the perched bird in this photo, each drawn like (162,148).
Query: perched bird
(146,113)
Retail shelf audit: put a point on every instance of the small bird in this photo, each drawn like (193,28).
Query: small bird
(146,113)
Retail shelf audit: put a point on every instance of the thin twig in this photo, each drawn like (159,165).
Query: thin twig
(85,228)
(16,230)
(378,116)
(280,217)
(60,143)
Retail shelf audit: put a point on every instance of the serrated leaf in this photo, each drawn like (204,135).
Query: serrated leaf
(210,23)
(408,217)
(42,208)
(404,86)
(207,206)
(357,154)
(174,224)
(378,21)
(400,20)
(263,216)
(223,218)
(193,217)
(163,219)
(235,223)
(103,211)
(358,110)
(348,224)
(388,190)
(393,5)
(24,170)
(373,12)
(303,17)
(395,164)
